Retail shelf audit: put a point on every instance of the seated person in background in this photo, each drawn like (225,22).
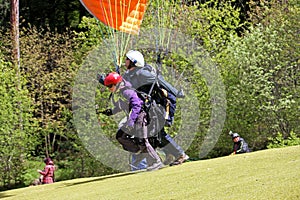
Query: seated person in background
(239,144)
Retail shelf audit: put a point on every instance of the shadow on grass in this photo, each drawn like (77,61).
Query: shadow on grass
(3,195)
(104,178)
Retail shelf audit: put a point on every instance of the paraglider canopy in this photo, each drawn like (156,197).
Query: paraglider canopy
(122,15)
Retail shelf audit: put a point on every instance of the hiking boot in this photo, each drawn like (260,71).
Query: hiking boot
(180,160)
(155,166)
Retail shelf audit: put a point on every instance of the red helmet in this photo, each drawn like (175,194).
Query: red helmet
(112,79)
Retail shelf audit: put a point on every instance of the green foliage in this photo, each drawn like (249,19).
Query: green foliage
(212,24)
(90,34)
(57,16)
(18,127)
(31,167)
(50,62)
(280,141)
(47,64)
(80,165)
(261,71)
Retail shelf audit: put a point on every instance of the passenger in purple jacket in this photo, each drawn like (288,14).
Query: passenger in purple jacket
(133,134)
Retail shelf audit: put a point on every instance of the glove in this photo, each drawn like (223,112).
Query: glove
(107,112)
(100,78)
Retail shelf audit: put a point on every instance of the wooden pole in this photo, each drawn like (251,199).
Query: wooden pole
(14,20)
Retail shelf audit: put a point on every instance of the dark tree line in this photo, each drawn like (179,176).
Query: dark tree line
(57,14)
(62,14)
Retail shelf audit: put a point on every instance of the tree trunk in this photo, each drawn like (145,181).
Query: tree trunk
(14,19)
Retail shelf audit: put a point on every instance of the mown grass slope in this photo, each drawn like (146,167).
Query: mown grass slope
(268,174)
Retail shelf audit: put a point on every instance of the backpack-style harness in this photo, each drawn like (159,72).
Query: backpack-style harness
(162,96)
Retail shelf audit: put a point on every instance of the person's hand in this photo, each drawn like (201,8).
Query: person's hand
(39,171)
(107,112)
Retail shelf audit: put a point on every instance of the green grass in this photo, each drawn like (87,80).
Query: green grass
(269,174)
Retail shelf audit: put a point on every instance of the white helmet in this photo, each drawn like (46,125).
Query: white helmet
(136,57)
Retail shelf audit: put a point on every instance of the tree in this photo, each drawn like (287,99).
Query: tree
(48,66)
(15,142)
(262,73)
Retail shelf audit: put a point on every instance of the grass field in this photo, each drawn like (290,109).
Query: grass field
(268,174)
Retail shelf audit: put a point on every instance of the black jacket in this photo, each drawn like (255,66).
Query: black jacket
(241,146)
(143,78)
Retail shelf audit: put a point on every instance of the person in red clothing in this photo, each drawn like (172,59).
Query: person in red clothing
(48,172)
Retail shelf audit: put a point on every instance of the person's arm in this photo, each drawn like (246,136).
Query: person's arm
(44,172)
(240,147)
(234,149)
(135,103)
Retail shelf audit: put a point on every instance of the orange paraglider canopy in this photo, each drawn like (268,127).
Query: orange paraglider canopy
(122,15)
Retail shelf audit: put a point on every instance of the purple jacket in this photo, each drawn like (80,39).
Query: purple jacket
(131,103)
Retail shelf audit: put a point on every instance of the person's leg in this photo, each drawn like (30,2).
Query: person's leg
(171,149)
(151,151)
(138,162)
(169,146)
(127,142)
(153,160)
